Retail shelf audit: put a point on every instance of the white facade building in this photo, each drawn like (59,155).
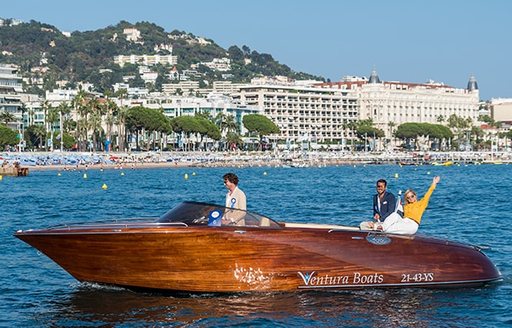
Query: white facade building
(34,114)
(219,64)
(501,109)
(186,87)
(227,87)
(213,104)
(301,112)
(10,101)
(148,60)
(9,77)
(390,104)
(131,34)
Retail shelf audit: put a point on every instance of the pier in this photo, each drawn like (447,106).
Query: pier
(16,171)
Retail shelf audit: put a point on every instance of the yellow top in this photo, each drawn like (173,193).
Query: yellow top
(415,210)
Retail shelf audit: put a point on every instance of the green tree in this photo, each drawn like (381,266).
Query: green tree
(185,126)
(135,122)
(235,53)
(261,125)
(35,135)
(208,128)
(8,137)
(141,119)
(412,131)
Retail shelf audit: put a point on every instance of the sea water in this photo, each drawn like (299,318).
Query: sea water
(471,204)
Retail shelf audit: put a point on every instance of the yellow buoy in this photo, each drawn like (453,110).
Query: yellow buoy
(193,173)
(104,187)
(265,173)
(85,175)
(396,175)
(185,176)
(1,178)
(59,174)
(122,173)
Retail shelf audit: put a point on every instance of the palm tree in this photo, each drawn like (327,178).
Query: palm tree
(352,126)
(30,117)
(110,109)
(230,124)
(391,125)
(79,104)
(7,117)
(120,120)
(94,120)
(51,118)
(64,110)
(47,107)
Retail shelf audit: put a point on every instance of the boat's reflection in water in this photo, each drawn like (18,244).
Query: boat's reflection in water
(92,305)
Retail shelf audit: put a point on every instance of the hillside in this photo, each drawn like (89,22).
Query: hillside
(46,55)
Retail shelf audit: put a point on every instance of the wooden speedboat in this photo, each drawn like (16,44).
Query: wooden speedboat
(199,247)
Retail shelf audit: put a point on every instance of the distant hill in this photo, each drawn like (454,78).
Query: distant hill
(44,52)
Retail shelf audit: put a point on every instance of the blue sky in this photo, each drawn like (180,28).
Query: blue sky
(409,41)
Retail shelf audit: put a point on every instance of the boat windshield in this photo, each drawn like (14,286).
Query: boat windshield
(194,213)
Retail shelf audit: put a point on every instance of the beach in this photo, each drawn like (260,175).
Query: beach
(139,160)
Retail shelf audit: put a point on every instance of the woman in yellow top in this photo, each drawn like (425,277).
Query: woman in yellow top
(413,211)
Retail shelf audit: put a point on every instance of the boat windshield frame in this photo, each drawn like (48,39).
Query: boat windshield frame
(206,214)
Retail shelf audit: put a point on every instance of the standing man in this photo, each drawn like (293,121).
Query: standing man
(235,202)
(235,198)
(384,203)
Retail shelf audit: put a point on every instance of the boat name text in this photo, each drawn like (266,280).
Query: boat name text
(311,279)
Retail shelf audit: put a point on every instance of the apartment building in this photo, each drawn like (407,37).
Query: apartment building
(304,112)
(148,60)
(226,87)
(501,109)
(9,77)
(34,113)
(213,104)
(186,87)
(10,100)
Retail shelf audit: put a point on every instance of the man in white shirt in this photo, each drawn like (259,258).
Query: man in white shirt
(235,199)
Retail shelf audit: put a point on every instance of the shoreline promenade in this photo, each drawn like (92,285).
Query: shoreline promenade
(177,159)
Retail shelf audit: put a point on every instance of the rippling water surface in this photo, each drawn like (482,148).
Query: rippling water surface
(471,205)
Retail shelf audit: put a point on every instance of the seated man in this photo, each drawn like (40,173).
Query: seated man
(384,204)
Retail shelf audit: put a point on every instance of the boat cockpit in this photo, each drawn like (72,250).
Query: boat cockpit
(196,213)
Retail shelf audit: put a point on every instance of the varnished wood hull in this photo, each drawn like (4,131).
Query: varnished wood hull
(231,259)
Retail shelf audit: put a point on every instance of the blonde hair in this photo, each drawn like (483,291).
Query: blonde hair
(407,193)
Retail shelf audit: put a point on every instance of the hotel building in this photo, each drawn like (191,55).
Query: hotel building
(321,112)
(303,112)
(390,104)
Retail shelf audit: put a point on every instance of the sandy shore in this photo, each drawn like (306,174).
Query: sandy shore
(127,166)
(148,160)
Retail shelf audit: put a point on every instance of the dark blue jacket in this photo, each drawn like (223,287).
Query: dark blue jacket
(387,205)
